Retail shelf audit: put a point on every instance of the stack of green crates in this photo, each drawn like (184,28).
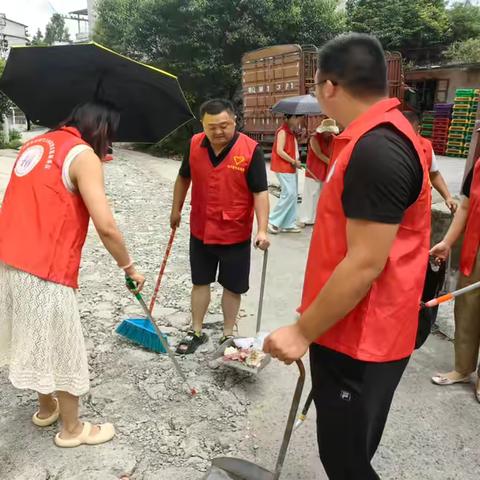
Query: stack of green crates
(463,122)
(427,123)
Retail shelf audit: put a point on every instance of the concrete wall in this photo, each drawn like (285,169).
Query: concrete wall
(458,78)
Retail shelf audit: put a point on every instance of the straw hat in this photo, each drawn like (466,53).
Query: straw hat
(328,126)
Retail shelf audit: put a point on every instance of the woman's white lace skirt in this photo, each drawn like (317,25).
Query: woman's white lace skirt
(41,337)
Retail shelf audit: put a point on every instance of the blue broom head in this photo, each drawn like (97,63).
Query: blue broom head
(141,331)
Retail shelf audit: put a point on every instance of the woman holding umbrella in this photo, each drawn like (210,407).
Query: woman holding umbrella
(55,188)
(285,162)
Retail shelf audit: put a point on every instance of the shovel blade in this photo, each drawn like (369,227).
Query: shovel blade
(224,468)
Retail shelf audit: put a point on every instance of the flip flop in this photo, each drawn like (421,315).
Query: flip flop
(443,381)
(46,422)
(106,433)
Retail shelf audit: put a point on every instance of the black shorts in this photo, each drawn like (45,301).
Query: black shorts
(231,261)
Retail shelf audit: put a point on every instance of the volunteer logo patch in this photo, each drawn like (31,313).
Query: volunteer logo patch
(29,160)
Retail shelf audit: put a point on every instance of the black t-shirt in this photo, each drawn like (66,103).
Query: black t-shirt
(256,173)
(383,178)
(467,184)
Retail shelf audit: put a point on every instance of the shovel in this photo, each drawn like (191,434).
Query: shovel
(226,468)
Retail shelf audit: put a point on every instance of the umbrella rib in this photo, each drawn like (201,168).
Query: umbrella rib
(158,70)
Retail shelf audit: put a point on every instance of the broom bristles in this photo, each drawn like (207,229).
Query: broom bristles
(140,330)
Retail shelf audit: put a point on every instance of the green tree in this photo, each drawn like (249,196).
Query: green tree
(467,51)
(38,39)
(401,24)
(464,21)
(5,103)
(203,41)
(56,31)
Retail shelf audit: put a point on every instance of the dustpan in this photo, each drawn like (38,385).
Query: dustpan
(217,357)
(227,468)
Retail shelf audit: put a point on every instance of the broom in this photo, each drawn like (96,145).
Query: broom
(141,330)
(131,286)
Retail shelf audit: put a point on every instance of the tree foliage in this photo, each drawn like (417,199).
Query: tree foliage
(467,51)
(5,103)
(464,20)
(202,41)
(38,39)
(401,24)
(56,31)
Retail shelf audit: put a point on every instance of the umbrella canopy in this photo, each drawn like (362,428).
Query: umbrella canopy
(301,105)
(46,83)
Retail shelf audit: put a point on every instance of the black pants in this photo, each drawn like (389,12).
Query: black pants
(352,399)
(232,262)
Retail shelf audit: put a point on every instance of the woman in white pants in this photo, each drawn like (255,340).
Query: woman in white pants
(319,151)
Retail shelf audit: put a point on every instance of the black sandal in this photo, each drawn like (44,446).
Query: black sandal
(191,342)
(225,338)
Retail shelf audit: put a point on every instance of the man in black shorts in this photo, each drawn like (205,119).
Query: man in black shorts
(367,260)
(229,184)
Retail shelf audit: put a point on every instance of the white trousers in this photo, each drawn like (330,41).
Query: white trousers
(311,194)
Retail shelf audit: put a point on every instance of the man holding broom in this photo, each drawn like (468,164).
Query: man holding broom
(229,184)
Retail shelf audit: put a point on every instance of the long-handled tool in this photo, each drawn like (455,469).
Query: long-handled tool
(139,329)
(262,291)
(450,296)
(225,468)
(132,287)
(162,269)
(301,418)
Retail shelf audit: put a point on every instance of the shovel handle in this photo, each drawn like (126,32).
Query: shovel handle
(291,420)
(262,291)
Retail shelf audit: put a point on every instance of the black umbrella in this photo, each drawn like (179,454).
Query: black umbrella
(48,82)
(300,105)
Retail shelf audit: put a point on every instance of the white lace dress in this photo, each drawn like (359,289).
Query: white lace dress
(41,336)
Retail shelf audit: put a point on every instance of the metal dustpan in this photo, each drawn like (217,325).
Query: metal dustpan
(217,360)
(225,468)
(217,357)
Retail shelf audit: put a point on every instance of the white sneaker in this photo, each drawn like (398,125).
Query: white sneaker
(291,230)
(272,229)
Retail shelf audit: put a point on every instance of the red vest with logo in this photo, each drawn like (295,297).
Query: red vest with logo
(222,204)
(277,163)
(428,150)
(42,224)
(471,240)
(383,326)
(314,164)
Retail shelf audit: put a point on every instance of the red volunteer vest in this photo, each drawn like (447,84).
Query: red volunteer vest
(314,164)
(428,150)
(383,326)
(222,204)
(42,225)
(471,240)
(277,163)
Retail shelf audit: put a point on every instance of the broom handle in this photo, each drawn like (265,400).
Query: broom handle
(452,295)
(132,287)
(162,270)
